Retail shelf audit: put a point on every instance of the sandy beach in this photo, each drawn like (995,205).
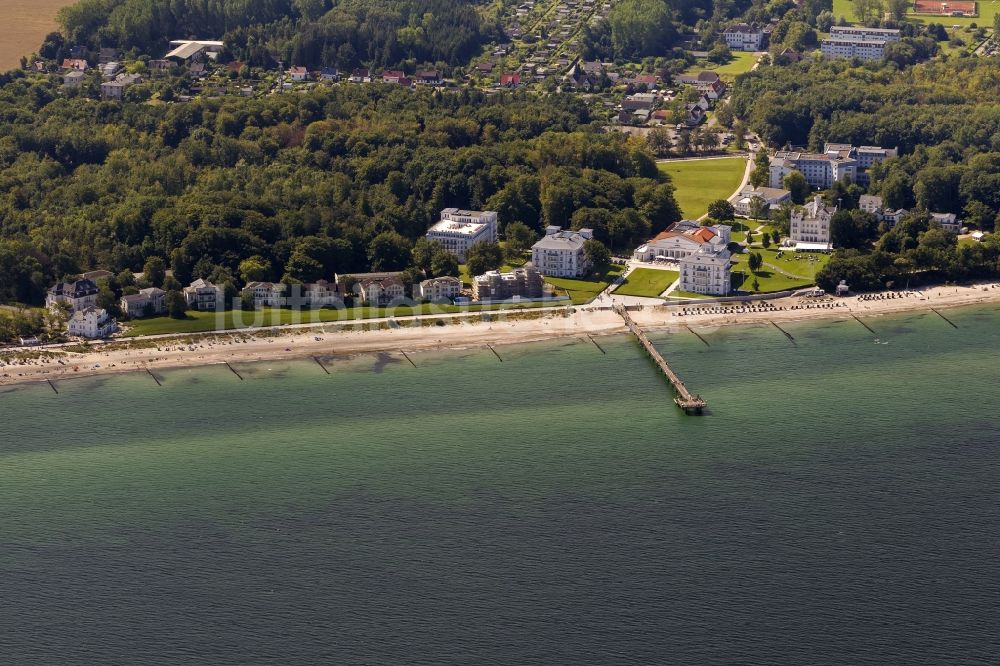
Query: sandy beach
(409,335)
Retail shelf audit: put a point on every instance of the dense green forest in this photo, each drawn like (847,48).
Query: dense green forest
(943,115)
(341,179)
(314,33)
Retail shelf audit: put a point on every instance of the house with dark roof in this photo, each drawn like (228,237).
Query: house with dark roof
(78,295)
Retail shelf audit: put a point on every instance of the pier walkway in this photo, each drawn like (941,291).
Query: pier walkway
(686,400)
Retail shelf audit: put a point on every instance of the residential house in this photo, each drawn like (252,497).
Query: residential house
(873,204)
(147,302)
(115,90)
(525,282)
(265,294)
(772,197)
(73,79)
(75,64)
(203,295)
(510,80)
(393,76)
(92,322)
(329,74)
(107,55)
(810,226)
(682,239)
(458,230)
(380,291)
(439,289)
(298,73)
(78,295)
(428,77)
(361,75)
(109,70)
(560,253)
(161,66)
(707,271)
(948,221)
(747,36)
(321,294)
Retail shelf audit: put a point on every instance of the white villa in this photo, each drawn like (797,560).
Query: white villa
(561,254)
(203,295)
(871,203)
(439,289)
(948,221)
(380,291)
(772,197)
(79,295)
(147,301)
(747,36)
(268,294)
(92,322)
(707,271)
(459,230)
(810,226)
(682,240)
(321,294)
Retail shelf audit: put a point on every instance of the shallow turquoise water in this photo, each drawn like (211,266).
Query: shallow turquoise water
(838,505)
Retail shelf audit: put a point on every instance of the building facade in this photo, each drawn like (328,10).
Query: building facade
(458,230)
(78,295)
(560,253)
(681,240)
(92,322)
(810,225)
(747,36)
(439,289)
(707,271)
(821,170)
(147,302)
(858,42)
(771,197)
(203,295)
(380,291)
(525,282)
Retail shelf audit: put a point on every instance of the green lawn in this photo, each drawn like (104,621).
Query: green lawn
(584,290)
(203,322)
(742,62)
(987,10)
(700,182)
(647,282)
(796,270)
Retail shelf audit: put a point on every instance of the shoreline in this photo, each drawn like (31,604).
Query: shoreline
(218,348)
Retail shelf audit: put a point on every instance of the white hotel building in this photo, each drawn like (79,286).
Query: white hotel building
(459,230)
(707,271)
(561,254)
(858,42)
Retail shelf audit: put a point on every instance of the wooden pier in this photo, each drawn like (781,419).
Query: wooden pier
(690,403)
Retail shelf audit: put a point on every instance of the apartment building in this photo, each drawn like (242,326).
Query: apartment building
(523,282)
(458,230)
(560,253)
(858,42)
(707,271)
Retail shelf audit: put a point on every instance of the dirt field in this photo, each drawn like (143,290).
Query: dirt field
(27,22)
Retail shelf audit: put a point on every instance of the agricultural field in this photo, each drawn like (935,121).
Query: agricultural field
(649,282)
(27,21)
(700,182)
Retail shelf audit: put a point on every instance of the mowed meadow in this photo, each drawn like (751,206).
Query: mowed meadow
(27,22)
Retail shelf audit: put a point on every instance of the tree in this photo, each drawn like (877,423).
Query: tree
(255,269)
(640,28)
(483,257)
(749,237)
(756,285)
(897,9)
(519,238)
(444,263)
(154,271)
(389,251)
(107,299)
(765,240)
(796,183)
(758,208)
(721,209)
(761,174)
(866,10)
(825,19)
(754,262)
(176,305)
(597,252)
(424,251)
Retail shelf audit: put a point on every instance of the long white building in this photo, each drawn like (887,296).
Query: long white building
(681,240)
(561,254)
(858,42)
(458,230)
(822,170)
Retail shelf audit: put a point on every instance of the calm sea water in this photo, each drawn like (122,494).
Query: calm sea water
(840,505)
